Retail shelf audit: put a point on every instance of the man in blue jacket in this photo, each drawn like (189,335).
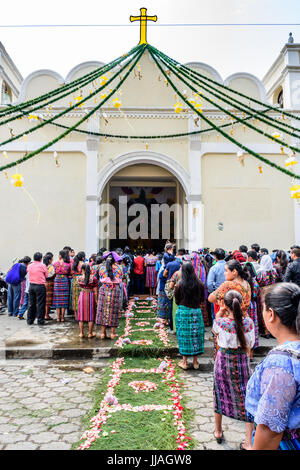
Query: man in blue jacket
(14,288)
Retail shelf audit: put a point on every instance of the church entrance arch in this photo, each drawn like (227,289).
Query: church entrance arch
(142,202)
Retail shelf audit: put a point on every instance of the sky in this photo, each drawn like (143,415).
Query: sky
(228,49)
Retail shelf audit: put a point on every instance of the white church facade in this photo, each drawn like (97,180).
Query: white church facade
(224,203)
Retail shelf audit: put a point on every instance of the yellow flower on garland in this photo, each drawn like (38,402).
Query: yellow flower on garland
(291,161)
(103,95)
(117,103)
(79,98)
(17,180)
(296,195)
(260,169)
(103,80)
(276,135)
(32,116)
(178,107)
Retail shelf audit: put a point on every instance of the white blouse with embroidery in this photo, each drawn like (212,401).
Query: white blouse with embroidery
(224,327)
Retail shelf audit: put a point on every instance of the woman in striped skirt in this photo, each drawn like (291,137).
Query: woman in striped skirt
(109,300)
(235,337)
(47,260)
(61,293)
(87,302)
(76,273)
(150,262)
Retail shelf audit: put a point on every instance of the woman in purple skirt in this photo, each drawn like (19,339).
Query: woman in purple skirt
(235,337)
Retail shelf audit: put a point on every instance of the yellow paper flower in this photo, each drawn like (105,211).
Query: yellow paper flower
(291,161)
(178,107)
(32,116)
(117,103)
(17,180)
(296,187)
(103,95)
(103,80)
(276,135)
(296,195)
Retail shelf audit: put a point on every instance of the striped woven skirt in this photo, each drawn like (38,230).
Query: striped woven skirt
(75,292)
(231,375)
(189,330)
(163,306)
(49,292)
(61,291)
(254,317)
(109,305)
(150,276)
(87,306)
(23,287)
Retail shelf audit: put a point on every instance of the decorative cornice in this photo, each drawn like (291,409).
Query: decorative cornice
(9,81)
(11,63)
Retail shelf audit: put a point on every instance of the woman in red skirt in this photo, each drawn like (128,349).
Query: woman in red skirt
(87,302)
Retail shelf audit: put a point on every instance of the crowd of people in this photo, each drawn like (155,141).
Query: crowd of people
(243,295)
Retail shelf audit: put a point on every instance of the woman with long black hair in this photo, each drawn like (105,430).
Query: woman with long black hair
(109,300)
(61,293)
(273,391)
(235,337)
(189,294)
(48,260)
(87,302)
(78,262)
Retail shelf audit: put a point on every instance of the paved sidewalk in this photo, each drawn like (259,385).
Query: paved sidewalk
(38,410)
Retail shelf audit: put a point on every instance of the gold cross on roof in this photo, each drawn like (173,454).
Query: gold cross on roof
(143,24)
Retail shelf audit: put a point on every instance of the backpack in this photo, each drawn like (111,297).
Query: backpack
(13,275)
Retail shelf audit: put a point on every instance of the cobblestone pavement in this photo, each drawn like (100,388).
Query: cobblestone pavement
(38,410)
(199,394)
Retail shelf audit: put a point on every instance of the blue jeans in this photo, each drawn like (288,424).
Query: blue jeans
(13,299)
(24,306)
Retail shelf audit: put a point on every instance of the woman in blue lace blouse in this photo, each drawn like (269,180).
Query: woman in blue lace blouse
(273,391)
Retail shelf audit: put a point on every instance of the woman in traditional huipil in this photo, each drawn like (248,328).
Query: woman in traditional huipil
(48,260)
(237,278)
(189,294)
(273,391)
(87,302)
(150,263)
(109,300)
(78,262)
(201,273)
(235,336)
(266,276)
(61,293)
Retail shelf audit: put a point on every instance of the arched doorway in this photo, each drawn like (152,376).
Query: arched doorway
(142,205)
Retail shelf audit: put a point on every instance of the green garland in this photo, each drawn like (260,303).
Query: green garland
(67,110)
(285,113)
(149,137)
(272,122)
(284,144)
(135,60)
(244,147)
(25,113)
(72,84)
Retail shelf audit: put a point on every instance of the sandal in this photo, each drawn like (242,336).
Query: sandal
(241,447)
(102,336)
(196,366)
(58,320)
(81,336)
(219,439)
(113,336)
(92,335)
(182,365)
